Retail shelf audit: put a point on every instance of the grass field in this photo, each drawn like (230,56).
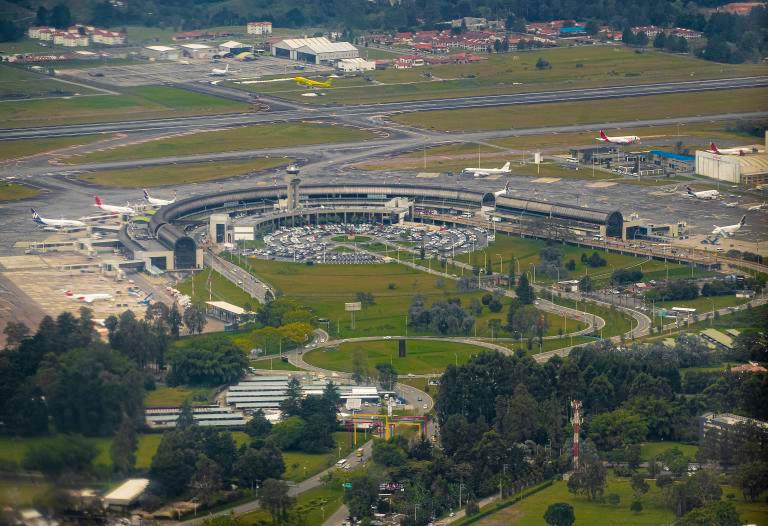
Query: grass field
(16,192)
(566,113)
(180,174)
(221,289)
(325,289)
(21,493)
(274,364)
(145,102)
(547,345)
(295,462)
(422,357)
(235,139)
(13,449)
(516,72)
(616,322)
(651,450)
(175,396)
(24,148)
(18,83)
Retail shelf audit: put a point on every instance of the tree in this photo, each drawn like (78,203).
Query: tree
(752,478)
(590,477)
(63,454)
(60,16)
(194,319)
(289,432)
(174,321)
(26,413)
(387,376)
(518,415)
(714,514)
(210,361)
(15,333)
(617,429)
(257,464)
(273,495)
(291,404)
(560,514)
(524,291)
(206,479)
(614,499)
(258,426)
(359,366)
(636,506)
(639,486)
(363,494)
(124,445)
(388,454)
(660,40)
(186,416)
(543,64)
(628,37)
(41,18)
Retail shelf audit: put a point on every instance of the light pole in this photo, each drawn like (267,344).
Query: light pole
(501,264)
(712,313)
(534,272)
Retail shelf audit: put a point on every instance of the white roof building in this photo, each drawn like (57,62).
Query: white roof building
(314,50)
(199,51)
(126,493)
(162,52)
(350,65)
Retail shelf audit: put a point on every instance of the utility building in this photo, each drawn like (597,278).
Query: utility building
(314,50)
(161,53)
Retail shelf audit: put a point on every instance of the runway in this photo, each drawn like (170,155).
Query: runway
(372,110)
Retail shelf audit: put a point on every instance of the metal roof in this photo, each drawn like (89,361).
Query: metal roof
(127,492)
(316,45)
(670,155)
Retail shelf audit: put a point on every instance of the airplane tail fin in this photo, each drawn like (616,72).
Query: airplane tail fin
(743,220)
(226,69)
(506,166)
(603,136)
(69,293)
(98,201)
(713,148)
(36,216)
(146,194)
(688,189)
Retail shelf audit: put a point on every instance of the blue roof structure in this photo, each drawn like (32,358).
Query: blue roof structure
(670,155)
(573,29)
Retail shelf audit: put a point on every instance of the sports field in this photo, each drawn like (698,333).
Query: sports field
(24,148)
(209,285)
(180,174)
(146,102)
(568,113)
(325,289)
(422,356)
(230,140)
(516,73)
(15,192)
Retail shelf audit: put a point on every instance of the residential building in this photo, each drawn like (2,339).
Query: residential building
(259,28)
(108,38)
(688,34)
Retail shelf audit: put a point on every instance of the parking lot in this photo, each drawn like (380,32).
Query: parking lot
(144,73)
(343,244)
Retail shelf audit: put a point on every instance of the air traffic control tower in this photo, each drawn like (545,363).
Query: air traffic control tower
(292,183)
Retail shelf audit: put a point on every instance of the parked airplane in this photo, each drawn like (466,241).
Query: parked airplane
(87,298)
(303,81)
(757,208)
(485,172)
(730,230)
(218,72)
(158,202)
(731,205)
(704,194)
(55,223)
(503,192)
(727,151)
(112,208)
(627,139)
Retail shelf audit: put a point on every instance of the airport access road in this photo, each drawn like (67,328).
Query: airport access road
(373,110)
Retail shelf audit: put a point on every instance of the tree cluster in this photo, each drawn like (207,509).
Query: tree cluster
(594,261)
(309,421)
(443,317)
(209,361)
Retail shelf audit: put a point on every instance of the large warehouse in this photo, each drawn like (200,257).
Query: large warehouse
(750,169)
(314,50)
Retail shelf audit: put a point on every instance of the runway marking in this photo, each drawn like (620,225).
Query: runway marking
(601,184)
(427,175)
(546,180)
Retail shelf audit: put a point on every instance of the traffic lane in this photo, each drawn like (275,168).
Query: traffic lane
(416,398)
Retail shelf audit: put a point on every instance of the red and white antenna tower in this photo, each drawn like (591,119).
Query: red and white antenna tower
(576,422)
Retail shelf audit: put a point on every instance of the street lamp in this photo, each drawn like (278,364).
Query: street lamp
(501,264)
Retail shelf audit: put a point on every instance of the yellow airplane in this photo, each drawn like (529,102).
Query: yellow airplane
(312,83)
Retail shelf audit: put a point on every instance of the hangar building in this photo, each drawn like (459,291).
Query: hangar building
(747,170)
(161,52)
(314,50)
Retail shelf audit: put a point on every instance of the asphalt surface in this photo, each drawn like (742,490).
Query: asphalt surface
(370,110)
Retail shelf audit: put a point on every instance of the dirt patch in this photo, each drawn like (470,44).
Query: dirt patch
(504,517)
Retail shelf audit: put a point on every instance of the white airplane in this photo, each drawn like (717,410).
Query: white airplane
(503,192)
(55,223)
(218,72)
(704,194)
(627,139)
(727,151)
(485,172)
(757,208)
(112,208)
(87,298)
(730,230)
(157,202)
(731,205)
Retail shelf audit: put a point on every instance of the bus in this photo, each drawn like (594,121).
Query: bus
(341,463)
(359,453)
(683,311)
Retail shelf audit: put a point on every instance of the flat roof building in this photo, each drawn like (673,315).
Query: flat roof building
(224,311)
(749,169)
(259,28)
(234,47)
(351,65)
(126,494)
(198,51)
(672,163)
(161,52)
(318,50)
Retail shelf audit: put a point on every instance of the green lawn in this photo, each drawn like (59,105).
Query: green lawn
(17,83)
(651,450)
(24,148)
(221,289)
(515,72)
(164,396)
(616,322)
(422,357)
(547,345)
(145,102)
(16,192)
(274,364)
(148,444)
(13,449)
(21,493)
(234,139)
(704,305)
(315,462)
(325,289)
(566,113)
(180,174)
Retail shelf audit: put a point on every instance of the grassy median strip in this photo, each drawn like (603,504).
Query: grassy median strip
(24,148)
(179,174)
(572,113)
(16,192)
(230,140)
